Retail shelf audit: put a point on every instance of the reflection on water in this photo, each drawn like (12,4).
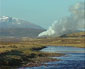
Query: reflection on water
(63,49)
(74,59)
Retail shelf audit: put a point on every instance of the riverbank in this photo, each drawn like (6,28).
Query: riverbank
(25,51)
(26,57)
(39,61)
(74,58)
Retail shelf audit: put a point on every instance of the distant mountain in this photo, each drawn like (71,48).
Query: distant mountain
(15,27)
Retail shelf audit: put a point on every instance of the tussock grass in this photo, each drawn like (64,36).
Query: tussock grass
(26,51)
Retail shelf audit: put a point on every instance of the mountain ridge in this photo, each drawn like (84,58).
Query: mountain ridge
(10,26)
(12,22)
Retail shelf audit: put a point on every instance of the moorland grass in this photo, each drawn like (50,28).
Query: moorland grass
(24,52)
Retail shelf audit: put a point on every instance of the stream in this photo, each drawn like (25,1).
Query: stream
(74,58)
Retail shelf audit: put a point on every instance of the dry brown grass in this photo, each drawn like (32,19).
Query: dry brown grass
(9,51)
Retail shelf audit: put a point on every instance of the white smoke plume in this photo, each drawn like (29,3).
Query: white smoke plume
(73,23)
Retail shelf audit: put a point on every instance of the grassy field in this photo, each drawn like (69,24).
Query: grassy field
(25,51)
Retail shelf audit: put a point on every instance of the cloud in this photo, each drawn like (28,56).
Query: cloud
(73,23)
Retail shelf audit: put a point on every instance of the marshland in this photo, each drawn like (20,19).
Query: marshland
(25,52)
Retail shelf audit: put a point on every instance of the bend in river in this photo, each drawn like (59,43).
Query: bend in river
(74,59)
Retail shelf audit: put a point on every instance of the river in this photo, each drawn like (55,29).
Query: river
(74,58)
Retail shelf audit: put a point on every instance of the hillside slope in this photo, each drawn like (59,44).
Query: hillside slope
(77,34)
(15,27)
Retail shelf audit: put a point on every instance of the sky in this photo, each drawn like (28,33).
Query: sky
(40,12)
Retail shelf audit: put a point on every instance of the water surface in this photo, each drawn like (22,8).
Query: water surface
(74,58)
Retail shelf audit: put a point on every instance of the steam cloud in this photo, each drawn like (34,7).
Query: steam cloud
(73,23)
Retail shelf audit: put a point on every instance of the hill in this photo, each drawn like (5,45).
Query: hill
(77,34)
(14,27)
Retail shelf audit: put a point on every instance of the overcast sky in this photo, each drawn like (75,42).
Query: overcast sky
(40,12)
